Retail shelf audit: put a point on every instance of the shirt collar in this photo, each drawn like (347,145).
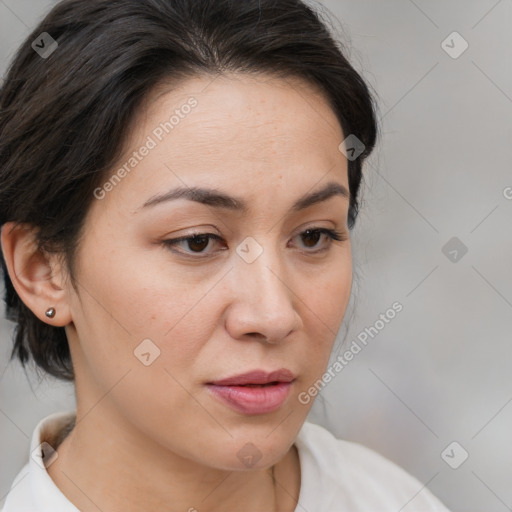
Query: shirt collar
(43,491)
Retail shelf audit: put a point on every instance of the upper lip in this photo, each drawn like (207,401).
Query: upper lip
(257,377)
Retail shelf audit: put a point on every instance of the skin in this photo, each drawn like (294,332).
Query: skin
(153,437)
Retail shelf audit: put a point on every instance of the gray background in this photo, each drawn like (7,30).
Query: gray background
(440,371)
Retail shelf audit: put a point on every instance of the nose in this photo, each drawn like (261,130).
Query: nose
(264,301)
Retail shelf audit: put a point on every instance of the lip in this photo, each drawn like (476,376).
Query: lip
(256,377)
(254,392)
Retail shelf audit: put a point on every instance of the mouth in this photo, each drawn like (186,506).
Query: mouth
(254,392)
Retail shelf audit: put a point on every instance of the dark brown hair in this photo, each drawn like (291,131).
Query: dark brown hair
(64,117)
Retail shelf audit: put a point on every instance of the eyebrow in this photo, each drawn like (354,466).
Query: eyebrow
(217,199)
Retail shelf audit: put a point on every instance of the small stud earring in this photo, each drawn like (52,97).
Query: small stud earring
(50,312)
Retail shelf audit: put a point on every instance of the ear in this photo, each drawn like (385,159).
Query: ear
(37,277)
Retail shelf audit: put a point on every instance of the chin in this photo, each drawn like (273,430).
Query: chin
(255,449)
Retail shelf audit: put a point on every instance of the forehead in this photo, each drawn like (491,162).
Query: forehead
(245,134)
(256,113)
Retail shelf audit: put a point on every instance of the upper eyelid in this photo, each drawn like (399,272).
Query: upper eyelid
(323,230)
(219,237)
(204,231)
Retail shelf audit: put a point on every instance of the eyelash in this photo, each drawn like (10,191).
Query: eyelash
(332,234)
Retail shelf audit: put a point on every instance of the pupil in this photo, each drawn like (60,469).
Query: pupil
(315,236)
(193,243)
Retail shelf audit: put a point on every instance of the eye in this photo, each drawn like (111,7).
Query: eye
(312,236)
(196,245)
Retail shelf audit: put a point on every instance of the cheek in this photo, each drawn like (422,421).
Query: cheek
(120,311)
(128,301)
(326,301)
(329,293)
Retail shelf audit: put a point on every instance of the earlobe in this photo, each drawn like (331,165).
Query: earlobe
(36,276)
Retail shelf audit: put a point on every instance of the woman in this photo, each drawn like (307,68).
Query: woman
(179,179)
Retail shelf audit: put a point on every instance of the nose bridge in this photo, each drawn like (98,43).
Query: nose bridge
(259,265)
(264,298)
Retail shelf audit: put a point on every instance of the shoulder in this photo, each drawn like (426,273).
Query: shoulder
(350,476)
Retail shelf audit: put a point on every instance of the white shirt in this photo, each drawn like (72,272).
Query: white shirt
(336,476)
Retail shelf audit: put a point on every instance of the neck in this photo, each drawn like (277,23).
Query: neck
(108,465)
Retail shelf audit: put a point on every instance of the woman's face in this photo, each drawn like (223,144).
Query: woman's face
(157,320)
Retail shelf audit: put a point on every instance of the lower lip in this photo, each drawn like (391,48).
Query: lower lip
(253,400)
